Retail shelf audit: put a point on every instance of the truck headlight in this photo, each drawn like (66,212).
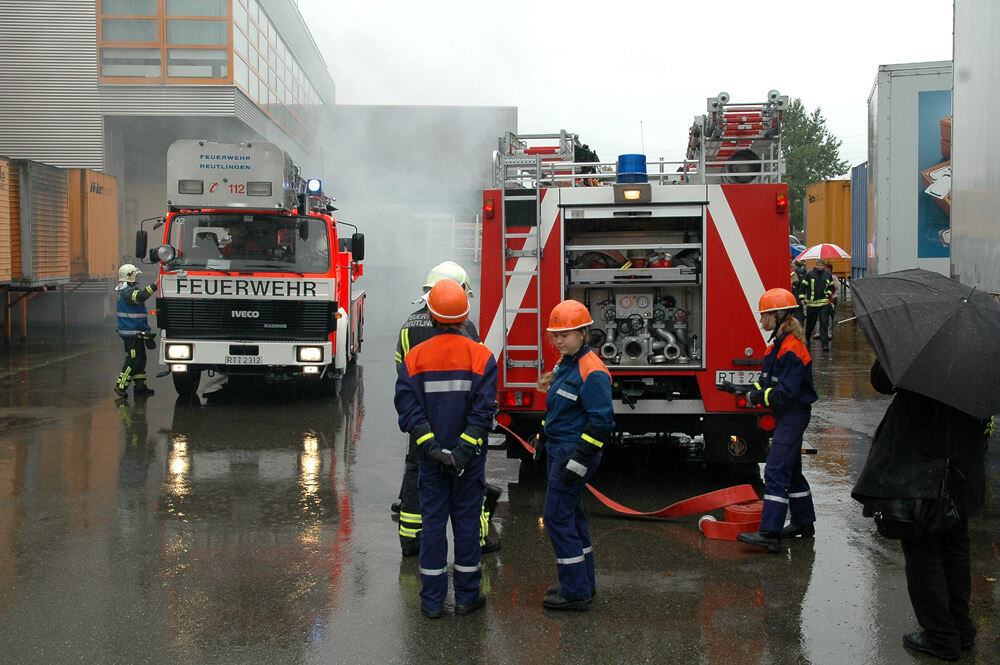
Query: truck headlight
(178,352)
(309,354)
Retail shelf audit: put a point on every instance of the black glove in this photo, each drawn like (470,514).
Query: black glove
(149,339)
(591,443)
(755,396)
(539,443)
(445,459)
(470,445)
(151,288)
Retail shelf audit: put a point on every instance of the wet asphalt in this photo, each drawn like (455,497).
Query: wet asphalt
(253,526)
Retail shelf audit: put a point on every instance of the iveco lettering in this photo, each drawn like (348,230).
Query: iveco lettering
(254,277)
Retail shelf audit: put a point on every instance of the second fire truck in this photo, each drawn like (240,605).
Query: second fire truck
(671,260)
(254,276)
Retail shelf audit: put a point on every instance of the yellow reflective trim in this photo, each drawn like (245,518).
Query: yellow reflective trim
(408,533)
(411,517)
(767,397)
(475,442)
(399,358)
(592,440)
(404,340)
(429,435)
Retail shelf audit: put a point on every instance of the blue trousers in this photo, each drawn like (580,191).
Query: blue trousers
(785,488)
(567,526)
(444,497)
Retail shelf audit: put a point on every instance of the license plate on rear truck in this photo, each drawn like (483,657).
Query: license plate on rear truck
(737,376)
(243,360)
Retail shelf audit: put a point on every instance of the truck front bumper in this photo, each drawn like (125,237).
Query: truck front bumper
(223,355)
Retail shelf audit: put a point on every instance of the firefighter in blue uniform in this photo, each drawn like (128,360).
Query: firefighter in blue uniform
(419,327)
(579,420)
(133,328)
(445,394)
(785,387)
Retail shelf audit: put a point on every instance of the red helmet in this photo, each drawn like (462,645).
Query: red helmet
(448,302)
(569,315)
(777,300)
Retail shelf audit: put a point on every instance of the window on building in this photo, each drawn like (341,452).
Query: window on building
(197,8)
(129,7)
(129,30)
(182,32)
(130,62)
(190,63)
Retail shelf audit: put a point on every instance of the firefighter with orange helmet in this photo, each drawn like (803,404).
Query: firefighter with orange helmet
(419,327)
(579,420)
(445,394)
(785,387)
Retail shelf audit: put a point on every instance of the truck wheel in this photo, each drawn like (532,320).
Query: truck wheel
(186,383)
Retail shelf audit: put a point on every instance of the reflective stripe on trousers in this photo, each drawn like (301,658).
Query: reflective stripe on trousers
(568,528)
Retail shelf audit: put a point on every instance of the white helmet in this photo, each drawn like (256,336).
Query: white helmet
(451,270)
(126,275)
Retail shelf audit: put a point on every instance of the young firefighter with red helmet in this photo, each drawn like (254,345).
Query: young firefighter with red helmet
(579,420)
(134,330)
(419,327)
(445,394)
(785,387)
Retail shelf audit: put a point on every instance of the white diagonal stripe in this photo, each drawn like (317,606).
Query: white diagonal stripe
(737,250)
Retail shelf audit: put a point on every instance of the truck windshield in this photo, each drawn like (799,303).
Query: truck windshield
(245,241)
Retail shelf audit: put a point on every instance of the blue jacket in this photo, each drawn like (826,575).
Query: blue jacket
(787,378)
(132,310)
(449,384)
(578,404)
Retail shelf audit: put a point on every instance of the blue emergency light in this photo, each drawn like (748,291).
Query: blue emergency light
(314,187)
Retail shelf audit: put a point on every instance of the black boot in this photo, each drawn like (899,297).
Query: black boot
(766,539)
(805,530)
(140,389)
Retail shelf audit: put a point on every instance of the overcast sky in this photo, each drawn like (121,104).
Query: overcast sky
(627,75)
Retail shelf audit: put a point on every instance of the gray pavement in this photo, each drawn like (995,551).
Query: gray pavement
(253,527)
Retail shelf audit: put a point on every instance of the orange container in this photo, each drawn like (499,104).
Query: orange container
(93,224)
(5,264)
(41,257)
(828,219)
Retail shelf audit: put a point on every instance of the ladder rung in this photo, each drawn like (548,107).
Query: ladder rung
(521,364)
(520,272)
(520,235)
(523,310)
(510,347)
(520,197)
(520,385)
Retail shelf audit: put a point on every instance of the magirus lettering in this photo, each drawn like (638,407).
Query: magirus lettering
(245,314)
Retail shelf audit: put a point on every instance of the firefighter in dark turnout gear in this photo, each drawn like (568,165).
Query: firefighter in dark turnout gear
(133,328)
(419,327)
(445,395)
(785,387)
(817,293)
(579,420)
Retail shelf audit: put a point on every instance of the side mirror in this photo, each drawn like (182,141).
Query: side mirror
(141,239)
(358,246)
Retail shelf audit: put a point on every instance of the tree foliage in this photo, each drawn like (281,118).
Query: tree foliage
(812,154)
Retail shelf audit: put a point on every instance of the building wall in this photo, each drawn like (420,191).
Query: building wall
(976,135)
(50,110)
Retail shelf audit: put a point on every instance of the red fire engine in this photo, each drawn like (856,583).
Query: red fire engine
(254,279)
(670,258)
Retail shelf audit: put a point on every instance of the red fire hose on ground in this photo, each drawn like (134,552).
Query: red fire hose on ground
(742,507)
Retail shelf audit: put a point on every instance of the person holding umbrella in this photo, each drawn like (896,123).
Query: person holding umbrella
(786,387)
(925,473)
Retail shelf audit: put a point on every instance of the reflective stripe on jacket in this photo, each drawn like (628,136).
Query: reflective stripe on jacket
(578,402)
(786,377)
(132,310)
(817,288)
(448,382)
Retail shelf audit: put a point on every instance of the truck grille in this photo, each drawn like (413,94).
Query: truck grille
(246,319)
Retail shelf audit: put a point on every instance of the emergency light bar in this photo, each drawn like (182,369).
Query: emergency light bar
(314,187)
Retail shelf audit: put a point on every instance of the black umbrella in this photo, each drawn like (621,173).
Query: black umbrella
(934,336)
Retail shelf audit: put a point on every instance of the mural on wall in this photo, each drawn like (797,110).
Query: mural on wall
(934,164)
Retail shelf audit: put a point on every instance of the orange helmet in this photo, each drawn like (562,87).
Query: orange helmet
(448,302)
(569,315)
(777,300)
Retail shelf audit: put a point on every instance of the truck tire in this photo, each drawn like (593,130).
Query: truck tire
(186,383)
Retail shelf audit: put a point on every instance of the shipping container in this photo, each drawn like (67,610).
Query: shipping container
(909,177)
(5,265)
(860,248)
(43,218)
(828,219)
(93,222)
